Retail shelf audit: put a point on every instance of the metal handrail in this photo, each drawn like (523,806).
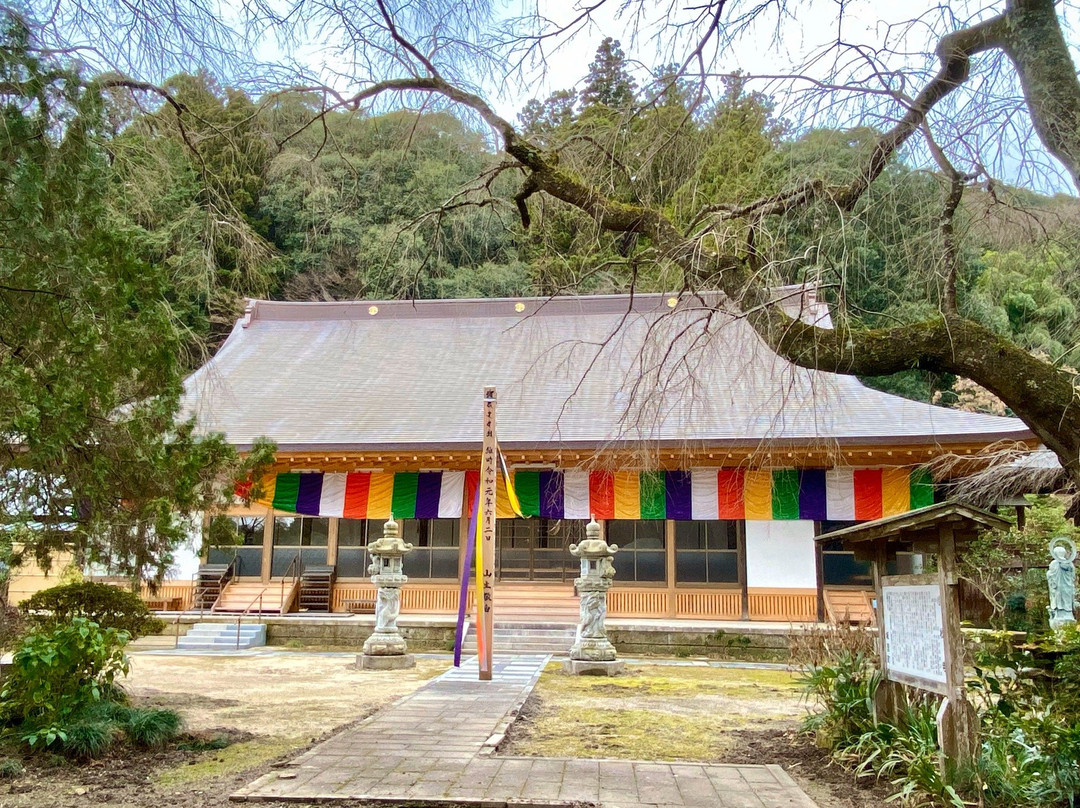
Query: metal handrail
(293,571)
(239,617)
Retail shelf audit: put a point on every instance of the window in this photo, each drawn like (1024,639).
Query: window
(641,555)
(303,537)
(839,567)
(435,548)
(239,537)
(707,552)
(353,538)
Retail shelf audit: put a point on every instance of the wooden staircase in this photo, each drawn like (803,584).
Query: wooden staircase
(210,580)
(316,588)
(535,602)
(242,597)
(849,606)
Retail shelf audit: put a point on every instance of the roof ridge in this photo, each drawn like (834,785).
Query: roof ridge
(524,306)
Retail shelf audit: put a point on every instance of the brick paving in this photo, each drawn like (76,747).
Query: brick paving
(437,745)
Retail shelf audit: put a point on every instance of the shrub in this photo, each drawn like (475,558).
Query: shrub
(62,694)
(1029,711)
(149,728)
(9,767)
(88,736)
(58,673)
(12,627)
(844,688)
(109,606)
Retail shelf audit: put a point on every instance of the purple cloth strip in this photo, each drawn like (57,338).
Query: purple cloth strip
(812,494)
(307,500)
(551,494)
(678,494)
(463,600)
(428,486)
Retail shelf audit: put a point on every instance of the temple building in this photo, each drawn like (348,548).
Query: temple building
(711,462)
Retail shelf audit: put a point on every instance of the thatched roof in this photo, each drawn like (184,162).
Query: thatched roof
(1013,475)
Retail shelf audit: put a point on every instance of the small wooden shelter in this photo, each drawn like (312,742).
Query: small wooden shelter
(918,615)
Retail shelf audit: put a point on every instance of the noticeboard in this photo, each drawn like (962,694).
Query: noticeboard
(914,626)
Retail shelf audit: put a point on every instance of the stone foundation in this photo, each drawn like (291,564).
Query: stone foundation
(388,662)
(762,645)
(587,667)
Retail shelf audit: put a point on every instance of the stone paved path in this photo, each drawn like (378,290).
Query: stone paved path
(437,745)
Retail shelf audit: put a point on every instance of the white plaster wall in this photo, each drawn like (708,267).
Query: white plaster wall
(781,554)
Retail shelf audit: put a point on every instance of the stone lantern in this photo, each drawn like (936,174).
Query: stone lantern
(385,648)
(592,652)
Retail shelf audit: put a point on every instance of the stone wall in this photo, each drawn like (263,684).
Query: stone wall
(762,646)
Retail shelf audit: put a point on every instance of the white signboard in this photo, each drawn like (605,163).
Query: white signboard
(914,635)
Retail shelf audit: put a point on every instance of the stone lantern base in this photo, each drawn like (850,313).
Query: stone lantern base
(588,667)
(386,662)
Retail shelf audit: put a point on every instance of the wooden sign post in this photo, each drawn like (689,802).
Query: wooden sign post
(918,618)
(489,469)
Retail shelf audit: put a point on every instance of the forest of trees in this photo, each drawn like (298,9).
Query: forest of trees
(136,218)
(264,197)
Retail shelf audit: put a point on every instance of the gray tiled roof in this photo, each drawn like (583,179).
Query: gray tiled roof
(571,372)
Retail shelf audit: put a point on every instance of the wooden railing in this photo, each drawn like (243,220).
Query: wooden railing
(634,602)
(709,605)
(415,599)
(170,596)
(783,605)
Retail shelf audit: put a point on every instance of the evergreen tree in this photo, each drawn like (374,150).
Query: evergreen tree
(609,82)
(93,457)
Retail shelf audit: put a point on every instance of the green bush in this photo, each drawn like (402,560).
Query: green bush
(844,688)
(149,728)
(108,606)
(9,767)
(1028,702)
(62,694)
(58,673)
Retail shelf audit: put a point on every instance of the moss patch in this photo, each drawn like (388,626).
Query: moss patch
(229,760)
(655,712)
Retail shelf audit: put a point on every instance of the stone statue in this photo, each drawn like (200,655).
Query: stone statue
(593,614)
(592,652)
(1061,579)
(385,648)
(387,608)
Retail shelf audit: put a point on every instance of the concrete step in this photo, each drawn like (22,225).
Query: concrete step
(219,636)
(526,637)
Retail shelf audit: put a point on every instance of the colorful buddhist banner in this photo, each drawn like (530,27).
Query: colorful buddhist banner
(756,494)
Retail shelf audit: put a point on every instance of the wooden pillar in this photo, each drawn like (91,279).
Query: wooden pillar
(268,545)
(819,565)
(332,541)
(669,552)
(889,699)
(740,529)
(957,721)
(488,474)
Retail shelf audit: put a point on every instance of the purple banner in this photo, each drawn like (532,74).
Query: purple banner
(428,488)
(678,494)
(307,499)
(463,600)
(551,494)
(812,494)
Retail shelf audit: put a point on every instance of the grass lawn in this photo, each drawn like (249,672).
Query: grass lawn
(655,712)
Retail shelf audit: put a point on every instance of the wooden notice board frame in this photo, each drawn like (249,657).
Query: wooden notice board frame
(938,530)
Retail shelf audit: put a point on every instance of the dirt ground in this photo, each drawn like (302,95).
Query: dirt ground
(704,714)
(272,705)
